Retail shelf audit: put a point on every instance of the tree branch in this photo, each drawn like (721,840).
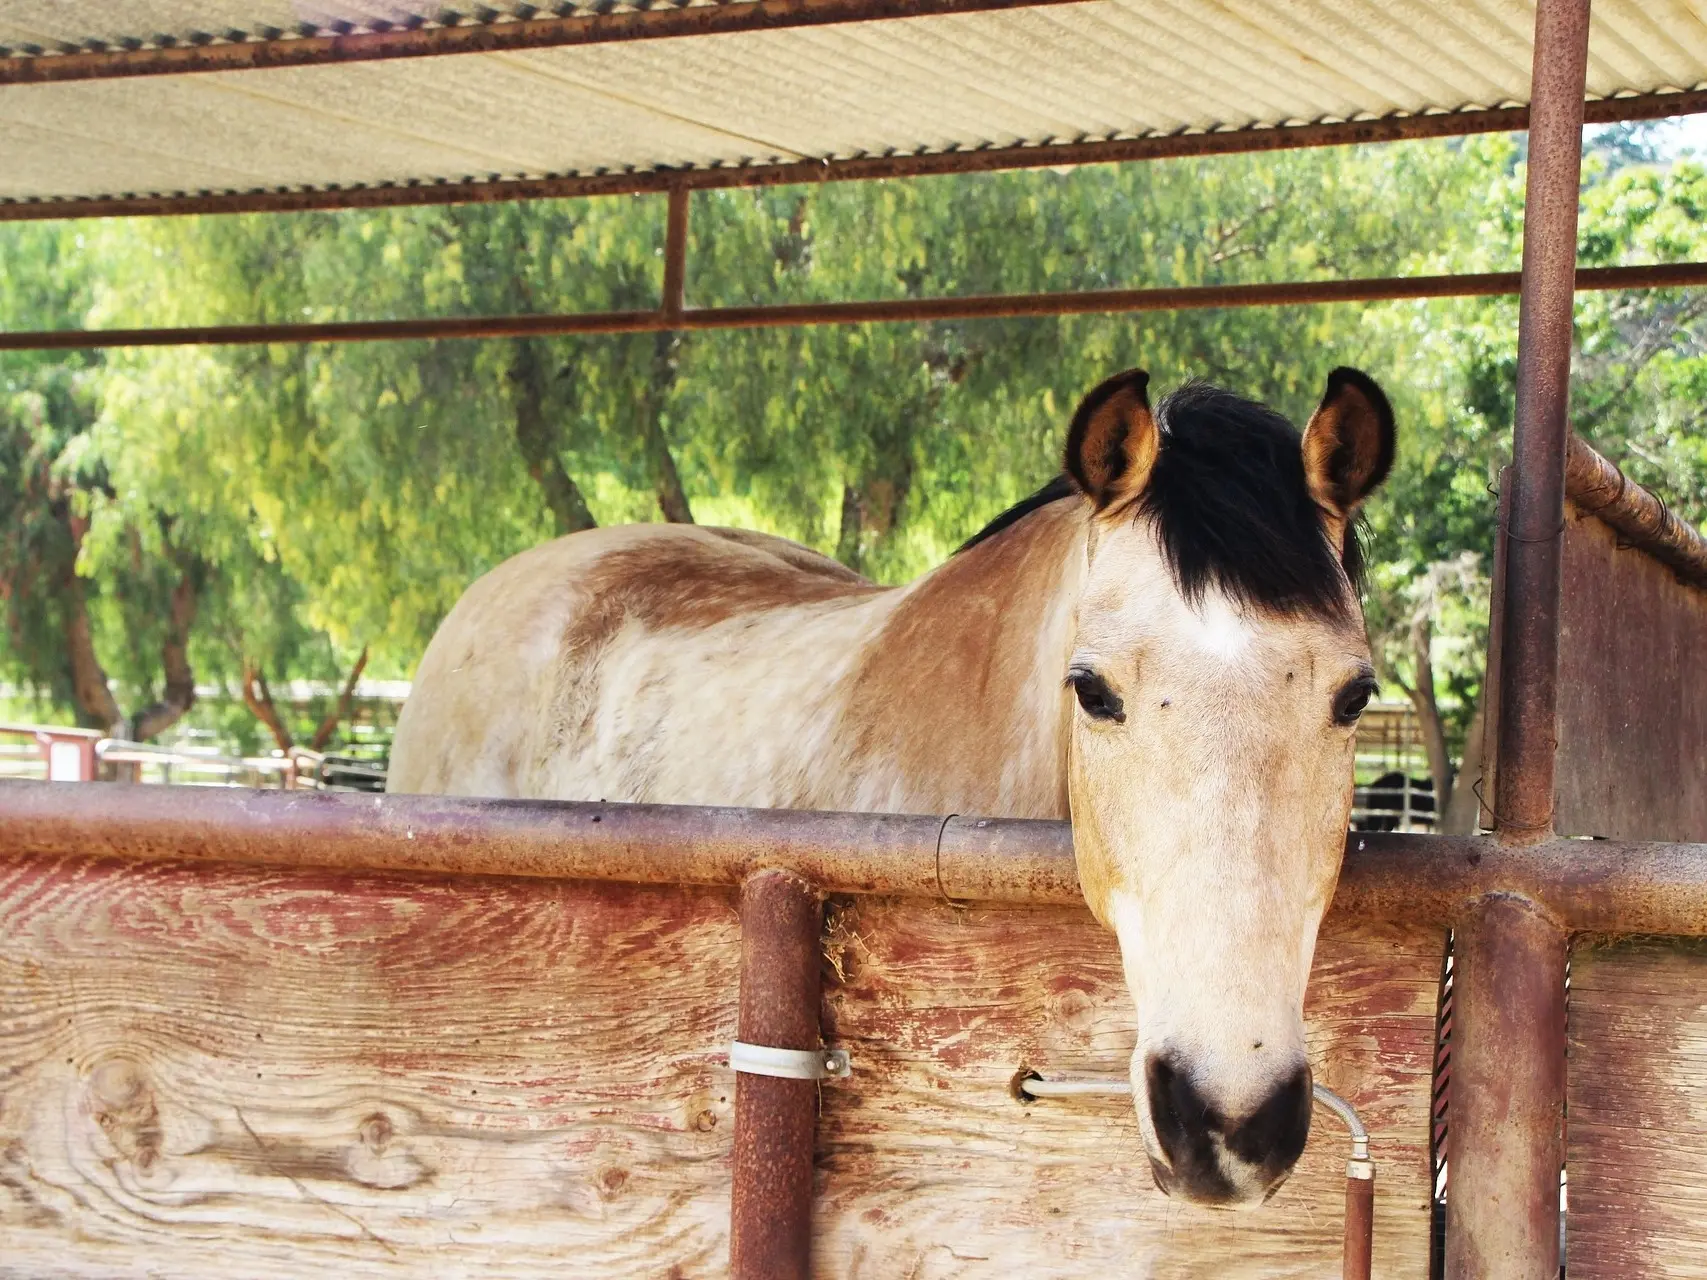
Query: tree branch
(259,699)
(341,711)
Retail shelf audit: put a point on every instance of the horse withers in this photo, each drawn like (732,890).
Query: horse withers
(1165,644)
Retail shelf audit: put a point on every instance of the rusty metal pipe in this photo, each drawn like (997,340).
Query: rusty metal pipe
(1358,1256)
(1529,663)
(1397,128)
(1507,1092)
(267,53)
(776,1120)
(674,297)
(893,311)
(1598,488)
(1609,886)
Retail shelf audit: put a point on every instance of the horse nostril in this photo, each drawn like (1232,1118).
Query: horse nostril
(1272,1137)
(1186,1128)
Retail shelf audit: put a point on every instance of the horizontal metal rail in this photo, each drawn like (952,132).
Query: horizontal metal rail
(1594,885)
(896,311)
(1172,146)
(227,50)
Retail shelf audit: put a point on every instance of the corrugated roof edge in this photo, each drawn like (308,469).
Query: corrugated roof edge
(453,32)
(1044,154)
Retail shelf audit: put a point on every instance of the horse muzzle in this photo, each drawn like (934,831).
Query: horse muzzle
(1210,1157)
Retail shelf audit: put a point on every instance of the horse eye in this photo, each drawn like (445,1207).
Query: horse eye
(1350,702)
(1099,701)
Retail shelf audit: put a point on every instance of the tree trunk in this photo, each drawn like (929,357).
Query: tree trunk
(1463,815)
(538,443)
(853,522)
(667,481)
(180,691)
(1428,711)
(341,712)
(96,706)
(259,699)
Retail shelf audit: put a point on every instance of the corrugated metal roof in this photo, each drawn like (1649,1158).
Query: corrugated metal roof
(1095,70)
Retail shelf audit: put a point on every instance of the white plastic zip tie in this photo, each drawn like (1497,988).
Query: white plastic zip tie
(790,1064)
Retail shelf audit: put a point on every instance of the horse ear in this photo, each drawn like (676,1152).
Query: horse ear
(1348,444)
(1113,441)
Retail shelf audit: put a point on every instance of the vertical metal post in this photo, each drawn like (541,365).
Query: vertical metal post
(1508,1057)
(1508,1088)
(675,256)
(776,1120)
(1529,664)
(1359,1246)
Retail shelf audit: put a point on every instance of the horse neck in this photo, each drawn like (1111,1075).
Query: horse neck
(957,703)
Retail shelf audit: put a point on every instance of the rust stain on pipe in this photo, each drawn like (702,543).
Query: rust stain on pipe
(894,311)
(1442,124)
(1507,1092)
(776,1120)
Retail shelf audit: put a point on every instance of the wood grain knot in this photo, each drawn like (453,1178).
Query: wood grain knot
(381,1158)
(120,1100)
(1073,1008)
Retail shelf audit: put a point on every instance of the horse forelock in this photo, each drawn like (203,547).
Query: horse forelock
(1232,510)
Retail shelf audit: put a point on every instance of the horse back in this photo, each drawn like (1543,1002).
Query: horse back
(520,674)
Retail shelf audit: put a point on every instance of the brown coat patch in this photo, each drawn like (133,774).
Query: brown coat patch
(689,583)
(948,690)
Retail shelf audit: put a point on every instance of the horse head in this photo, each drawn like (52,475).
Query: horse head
(1220,664)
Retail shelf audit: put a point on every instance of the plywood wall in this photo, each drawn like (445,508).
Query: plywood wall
(238,1073)
(1636,1118)
(243,1074)
(1632,762)
(933,1169)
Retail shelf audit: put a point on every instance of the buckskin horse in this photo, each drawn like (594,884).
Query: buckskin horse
(1164,644)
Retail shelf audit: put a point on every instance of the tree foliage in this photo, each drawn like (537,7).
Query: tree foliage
(328,500)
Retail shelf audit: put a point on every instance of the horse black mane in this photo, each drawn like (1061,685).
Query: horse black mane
(1229,500)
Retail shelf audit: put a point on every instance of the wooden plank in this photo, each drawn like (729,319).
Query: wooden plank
(217,1072)
(930,1167)
(209,1071)
(1632,761)
(1636,1121)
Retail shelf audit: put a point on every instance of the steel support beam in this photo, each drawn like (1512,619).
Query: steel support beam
(897,311)
(776,1120)
(673,303)
(1443,124)
(1529,660)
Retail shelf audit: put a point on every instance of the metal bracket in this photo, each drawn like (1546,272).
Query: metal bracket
(790,1064)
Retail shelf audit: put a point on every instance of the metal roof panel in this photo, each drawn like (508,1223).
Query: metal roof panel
(1066,72)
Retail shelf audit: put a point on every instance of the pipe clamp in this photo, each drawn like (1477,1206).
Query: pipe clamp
(790,1064)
